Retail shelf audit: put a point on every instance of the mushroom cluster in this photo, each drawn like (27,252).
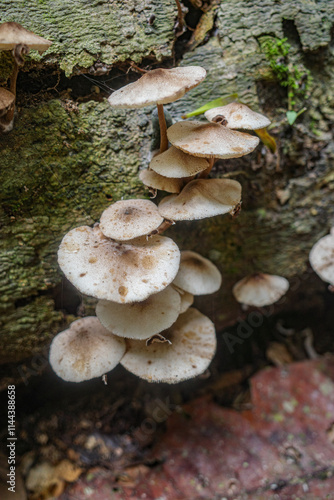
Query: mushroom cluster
(144,285)
(20,41)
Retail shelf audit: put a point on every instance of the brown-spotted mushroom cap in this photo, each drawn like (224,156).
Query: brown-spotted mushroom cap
(210,140)
(12,34)
(128,219)
(193,345)
(156,181)
(238,115)
(322,258)
(141,320)
(202,198)
(197,275)
(105,269)
(159,86)
(175,163)
(7,100)
(260,289)
(85,350)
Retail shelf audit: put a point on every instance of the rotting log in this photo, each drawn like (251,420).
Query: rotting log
(68,158)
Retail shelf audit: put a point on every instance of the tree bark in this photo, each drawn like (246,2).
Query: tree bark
(69,157)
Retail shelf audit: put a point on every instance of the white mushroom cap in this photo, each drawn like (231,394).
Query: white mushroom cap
(159,86)
(237,116)
(11,34)
(141,320)
(322,258)
(260,289)
(176,163)
(157,181)
(119,272)
(210,140)
(201,198)
(7,100)
(128,219)
(85,350)
(187,299)
(193,345)
(197,275)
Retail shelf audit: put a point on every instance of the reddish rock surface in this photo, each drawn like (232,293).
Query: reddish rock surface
(283,448)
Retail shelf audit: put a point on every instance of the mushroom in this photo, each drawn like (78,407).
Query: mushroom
(260,289)
(11,34)
(197,275)
(322,258)
(187,352)
(123,273)
(187,299)
(175,163)
(202,198)
(14,37)
(85,350)
(156,181)
(129,219)
(237,116)
(159,86)
(7,103)
(141,320)
(210,140)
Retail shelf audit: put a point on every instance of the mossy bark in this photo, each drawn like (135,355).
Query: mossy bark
(64,162)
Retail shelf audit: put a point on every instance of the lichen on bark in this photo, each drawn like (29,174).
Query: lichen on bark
(85,32)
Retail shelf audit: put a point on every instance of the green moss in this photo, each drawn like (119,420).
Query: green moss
(295,77)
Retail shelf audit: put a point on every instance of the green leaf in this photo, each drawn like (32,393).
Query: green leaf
(291,117)
(221,101)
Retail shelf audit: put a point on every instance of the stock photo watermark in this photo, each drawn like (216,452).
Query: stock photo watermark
(11,439)
(255,319)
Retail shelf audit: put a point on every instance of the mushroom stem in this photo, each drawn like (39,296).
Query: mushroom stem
(137,68)
(162,228)
(163,128)
(13,78)
(19,51)
(207,171)
(179,17)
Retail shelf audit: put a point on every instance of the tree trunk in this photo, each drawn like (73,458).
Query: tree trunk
(70,155)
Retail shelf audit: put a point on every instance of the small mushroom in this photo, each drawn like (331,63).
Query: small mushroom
(85,350)
(237,116)
(119,272)
(260,289)
(202,198)
(129,219)
(191,347)
(187,299)
(156,181)
(159,86)
(210,140)
(177,164)
(322,258)
(141,320)
(197,275)
(11,34)
(14,37)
